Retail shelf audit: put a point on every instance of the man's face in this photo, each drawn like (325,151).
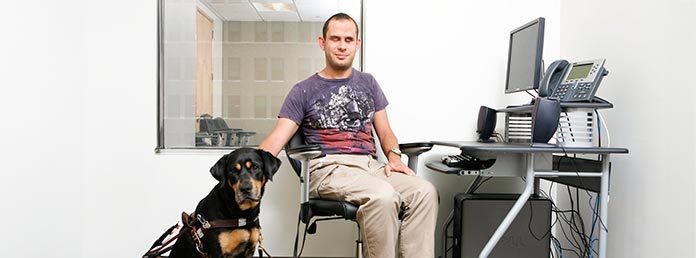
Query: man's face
(340,44)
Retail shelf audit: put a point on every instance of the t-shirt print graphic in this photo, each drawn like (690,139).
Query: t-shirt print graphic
(346,110)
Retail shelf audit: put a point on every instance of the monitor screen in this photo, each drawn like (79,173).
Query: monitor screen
(524,57)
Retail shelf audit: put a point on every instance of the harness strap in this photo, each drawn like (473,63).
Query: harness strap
(161,246)
(197,233)
(223,223)
(229,223)
(262,249)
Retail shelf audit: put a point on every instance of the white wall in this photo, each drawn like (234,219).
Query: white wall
(437,62)
(42,105)
(649,47)
(78,103)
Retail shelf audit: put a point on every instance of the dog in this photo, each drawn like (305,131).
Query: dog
(242,176)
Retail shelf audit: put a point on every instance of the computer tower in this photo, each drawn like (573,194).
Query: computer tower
(477,216)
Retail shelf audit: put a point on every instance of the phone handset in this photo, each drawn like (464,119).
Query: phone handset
(552,77)
(572,82)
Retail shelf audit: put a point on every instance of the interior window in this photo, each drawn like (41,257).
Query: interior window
(225,66)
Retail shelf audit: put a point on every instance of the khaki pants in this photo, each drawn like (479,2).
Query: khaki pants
(360,179)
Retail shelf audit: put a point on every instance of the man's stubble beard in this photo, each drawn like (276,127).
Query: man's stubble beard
(337,66)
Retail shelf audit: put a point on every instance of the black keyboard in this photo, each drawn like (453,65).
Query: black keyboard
(458,160)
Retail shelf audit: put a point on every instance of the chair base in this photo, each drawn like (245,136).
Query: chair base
(359,252)
(359,249)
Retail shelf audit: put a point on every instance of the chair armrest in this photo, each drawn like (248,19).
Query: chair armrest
(304,152)
(412,150)
(415,148)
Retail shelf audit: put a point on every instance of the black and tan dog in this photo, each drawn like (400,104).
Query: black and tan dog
(243,174)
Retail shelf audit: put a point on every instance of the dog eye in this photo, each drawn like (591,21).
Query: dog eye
(255,167)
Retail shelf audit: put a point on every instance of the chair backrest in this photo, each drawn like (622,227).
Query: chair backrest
(220,123)
(205,124)
(298,139)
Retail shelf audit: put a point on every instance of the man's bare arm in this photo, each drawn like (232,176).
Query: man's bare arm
(388,141)
(281,134)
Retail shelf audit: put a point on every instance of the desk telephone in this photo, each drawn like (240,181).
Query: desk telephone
(572,82)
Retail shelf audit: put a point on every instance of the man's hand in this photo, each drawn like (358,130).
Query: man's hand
(396,166)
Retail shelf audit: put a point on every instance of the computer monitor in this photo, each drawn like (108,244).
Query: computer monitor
(524,57)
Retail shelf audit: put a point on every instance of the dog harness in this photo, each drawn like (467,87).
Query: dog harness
(196,226)
(197,232)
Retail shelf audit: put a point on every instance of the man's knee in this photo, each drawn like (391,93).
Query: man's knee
(386,198)
(429,192)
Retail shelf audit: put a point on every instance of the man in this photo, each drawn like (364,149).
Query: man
(337,108)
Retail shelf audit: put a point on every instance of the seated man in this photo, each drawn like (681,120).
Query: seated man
(337,108)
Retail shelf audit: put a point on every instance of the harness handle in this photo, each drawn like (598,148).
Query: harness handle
(160,246)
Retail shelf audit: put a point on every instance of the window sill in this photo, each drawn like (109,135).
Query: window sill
(202,151)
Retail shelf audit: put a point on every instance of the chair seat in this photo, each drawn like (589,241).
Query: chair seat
(324,207)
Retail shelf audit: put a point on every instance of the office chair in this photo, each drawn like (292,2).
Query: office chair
(206,135)
(228,136)
(299,154)
(241,137)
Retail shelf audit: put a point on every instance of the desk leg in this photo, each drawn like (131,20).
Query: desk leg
(528,189)
(604,207)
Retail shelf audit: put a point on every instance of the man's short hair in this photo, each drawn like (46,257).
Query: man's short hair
(338,16)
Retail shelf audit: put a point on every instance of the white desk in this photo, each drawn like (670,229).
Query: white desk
(532,172)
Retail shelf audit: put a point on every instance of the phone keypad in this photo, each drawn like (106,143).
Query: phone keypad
(579,91)
(560,91)
(583,90)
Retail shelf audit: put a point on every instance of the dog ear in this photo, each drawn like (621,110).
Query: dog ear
(218,170)
(271,164)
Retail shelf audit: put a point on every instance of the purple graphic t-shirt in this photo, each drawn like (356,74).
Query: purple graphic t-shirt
(337,114)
